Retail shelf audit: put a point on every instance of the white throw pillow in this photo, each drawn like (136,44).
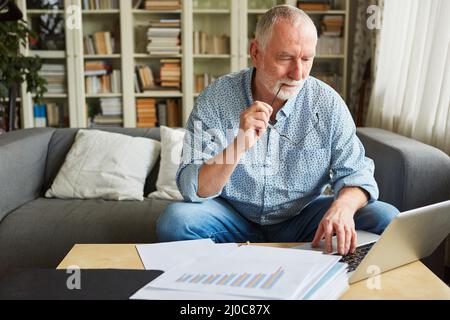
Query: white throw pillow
(105,165)
(171,148)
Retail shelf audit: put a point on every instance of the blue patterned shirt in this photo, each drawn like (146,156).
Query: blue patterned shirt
(277,177)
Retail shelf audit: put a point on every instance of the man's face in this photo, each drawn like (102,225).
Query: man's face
(287,58)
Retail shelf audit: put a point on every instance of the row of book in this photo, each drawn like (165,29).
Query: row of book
(329,45)
(201,81)
(55,75)
(101,78)
(164,37)
(314,5)
(211,44)
(151,113)
(110,113)
(170,73)
(162,5)
(332,25)
(100,4)
(143,79)
(102,42)
(50,114)
(169,76)
(109,83)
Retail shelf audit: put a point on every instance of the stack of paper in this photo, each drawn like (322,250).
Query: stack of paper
(204,270)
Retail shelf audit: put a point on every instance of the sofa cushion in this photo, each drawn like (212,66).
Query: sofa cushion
(41,232)
(171,150)
(23,156)
(105,165)
(62,141)
(410,174)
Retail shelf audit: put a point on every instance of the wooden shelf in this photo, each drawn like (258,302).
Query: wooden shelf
(49,54)
(159,94)
(257,11)
(212,11)
(148,56)
(143,11)
(103,95)
(52,96)
(103,11)
(102,56)
(44,11)
(212,56)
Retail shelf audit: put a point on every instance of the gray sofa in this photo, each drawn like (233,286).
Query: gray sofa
(38,232)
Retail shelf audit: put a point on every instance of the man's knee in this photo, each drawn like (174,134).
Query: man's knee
(375,217)
(170,222)
(177,222)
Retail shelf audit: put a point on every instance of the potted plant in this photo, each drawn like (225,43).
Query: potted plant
(15,68)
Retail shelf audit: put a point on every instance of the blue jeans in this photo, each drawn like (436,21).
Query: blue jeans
(216,219)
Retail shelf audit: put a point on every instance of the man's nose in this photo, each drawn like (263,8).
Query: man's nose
(296,70)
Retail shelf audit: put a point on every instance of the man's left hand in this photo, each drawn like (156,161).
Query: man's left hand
(338,220)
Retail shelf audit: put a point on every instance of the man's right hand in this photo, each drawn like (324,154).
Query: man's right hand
(253,122)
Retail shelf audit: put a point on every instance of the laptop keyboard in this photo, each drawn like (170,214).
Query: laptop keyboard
(354,259)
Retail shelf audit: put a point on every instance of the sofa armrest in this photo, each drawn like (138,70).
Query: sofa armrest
(410,174)
(23,155)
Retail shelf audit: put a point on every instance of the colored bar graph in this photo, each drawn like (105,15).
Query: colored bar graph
(246,280)
(274,277)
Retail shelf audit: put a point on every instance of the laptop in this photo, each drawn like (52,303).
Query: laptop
(411,235)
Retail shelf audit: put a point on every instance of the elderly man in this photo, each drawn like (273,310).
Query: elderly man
(292,135)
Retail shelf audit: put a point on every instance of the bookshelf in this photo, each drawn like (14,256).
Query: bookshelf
(51,46)
(228,24)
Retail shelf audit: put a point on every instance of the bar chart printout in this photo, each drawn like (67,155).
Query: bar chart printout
(238,280)
(250,271)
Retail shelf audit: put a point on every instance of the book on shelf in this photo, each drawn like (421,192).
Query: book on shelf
(109,113)
(101,121)
(207,44)
(100,4)
(111,106)
(151,113)
(50,114)
(146,113)
(162,5)
(330,45)
(55,75)
(314,5)
(101,78)
(137,4)
(332,25)
(101,42)
(173,113)
(165,23)
(170,73)
(164,37)
(201,81)
(162,113)
(143,78)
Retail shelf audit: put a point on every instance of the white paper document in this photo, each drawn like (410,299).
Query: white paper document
(249,272)
(166,255)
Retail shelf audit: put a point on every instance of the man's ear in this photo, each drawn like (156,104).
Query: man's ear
(254,52)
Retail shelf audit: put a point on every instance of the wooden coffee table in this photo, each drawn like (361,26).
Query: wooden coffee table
(413,281)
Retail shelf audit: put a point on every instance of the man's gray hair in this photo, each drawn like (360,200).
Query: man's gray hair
(265,24)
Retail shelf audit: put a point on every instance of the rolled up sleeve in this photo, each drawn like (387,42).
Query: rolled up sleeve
(350,167)
(202,142)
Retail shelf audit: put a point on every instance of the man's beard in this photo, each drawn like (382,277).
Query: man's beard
(273,85)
